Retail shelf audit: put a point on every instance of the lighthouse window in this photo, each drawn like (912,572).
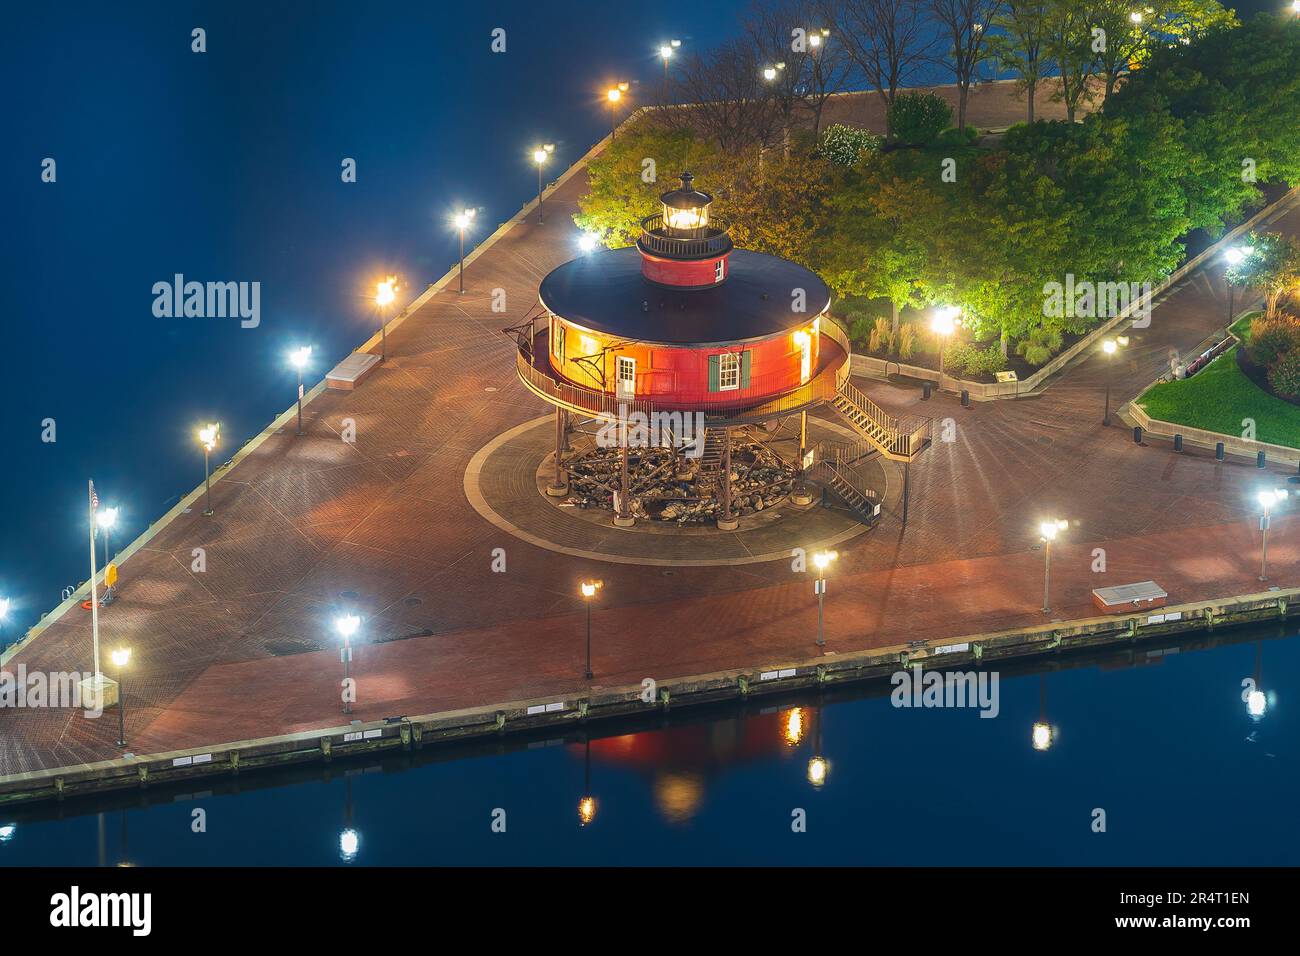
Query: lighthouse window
(719,268)
(558,342)
(728,372)
(626,374)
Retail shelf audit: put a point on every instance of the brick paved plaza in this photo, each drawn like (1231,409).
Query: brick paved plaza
(304,526)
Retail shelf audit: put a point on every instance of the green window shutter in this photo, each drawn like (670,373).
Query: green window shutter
(744,369)
(715,362)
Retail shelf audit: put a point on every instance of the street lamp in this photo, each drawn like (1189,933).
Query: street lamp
(385,293)
(462,221)
(666,54)
(1267,499)
(586,242)
(1048,531)
(614,95)
(1135,16)
(1235,256)
(540,155)
(298,358)
(346,625)
(106,518)
(1109,347)
(589,589)
(209,435)
(821,560)
(943,323)
(120,658)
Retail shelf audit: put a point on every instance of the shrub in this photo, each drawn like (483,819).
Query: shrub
(882,337)
(859,328)
(984,361)
(1284,375)
(955,137)
(906,341)
(1040,346)
(843,145)
(1270,339)
(918,118)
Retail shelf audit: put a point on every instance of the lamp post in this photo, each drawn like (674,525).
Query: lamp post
(106,519)
(298,358)
(385,293)
(943,323)
(462,220)
(589,589)
(821,560)
(1048,531)
(1235,256)
(120,658)
(614,95)
(1109,347)
(666,54)
(346,625)
(209,435)
(1267,499)
(540,155)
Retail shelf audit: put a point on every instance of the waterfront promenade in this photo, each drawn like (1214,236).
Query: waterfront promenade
(307,525)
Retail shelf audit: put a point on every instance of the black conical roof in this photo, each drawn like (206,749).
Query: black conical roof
(687,197)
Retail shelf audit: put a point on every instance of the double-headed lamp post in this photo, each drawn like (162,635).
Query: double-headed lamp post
(821,561)
(943,323)
(121,657)
(614,95)
(347,625)
(1268,498)
(589,589)
(299,358)
(1048,530)
(209,435)
(1108,348)
(462,220)
(540,155)
(385,293)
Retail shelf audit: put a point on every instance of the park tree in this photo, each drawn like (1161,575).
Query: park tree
(1018,45)
(1271,264)
(1073,47)
(725,98)
(964,25)
(887,40)
(1123,40)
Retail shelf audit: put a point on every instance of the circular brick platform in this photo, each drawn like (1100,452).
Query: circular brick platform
(504,484)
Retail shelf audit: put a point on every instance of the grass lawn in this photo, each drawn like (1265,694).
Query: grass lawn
(1218,397)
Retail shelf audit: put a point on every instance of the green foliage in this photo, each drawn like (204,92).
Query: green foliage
(1272,263)
(1040,346)
(1272,338)
(958,137)
(917,118)
(1284,375)
(859,329)
(844,145)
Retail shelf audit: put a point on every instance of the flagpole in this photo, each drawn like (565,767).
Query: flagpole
(94,585)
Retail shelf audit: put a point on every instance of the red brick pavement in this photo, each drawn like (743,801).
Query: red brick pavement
(245,648)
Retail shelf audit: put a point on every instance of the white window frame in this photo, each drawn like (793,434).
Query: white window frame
(728,374)
(557,341)
(719,270)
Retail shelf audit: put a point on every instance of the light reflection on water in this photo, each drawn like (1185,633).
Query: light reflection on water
(1186,750)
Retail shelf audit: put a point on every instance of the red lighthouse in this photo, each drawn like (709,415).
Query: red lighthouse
(683,322)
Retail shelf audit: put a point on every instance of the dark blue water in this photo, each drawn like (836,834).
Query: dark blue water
(1163,744)
(225,166)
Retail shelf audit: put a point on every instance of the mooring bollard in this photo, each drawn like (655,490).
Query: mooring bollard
(965,398)
(1218,451)
(1137,434)
(1259,460)
(925,391)
(1178,443)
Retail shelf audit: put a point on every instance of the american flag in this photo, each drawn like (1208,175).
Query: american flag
(94,497)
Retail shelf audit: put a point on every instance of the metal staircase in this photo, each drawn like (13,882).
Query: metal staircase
(898,439)
(832,466)
(711,457)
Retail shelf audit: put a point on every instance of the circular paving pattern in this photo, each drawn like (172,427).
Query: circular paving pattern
(505,482)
